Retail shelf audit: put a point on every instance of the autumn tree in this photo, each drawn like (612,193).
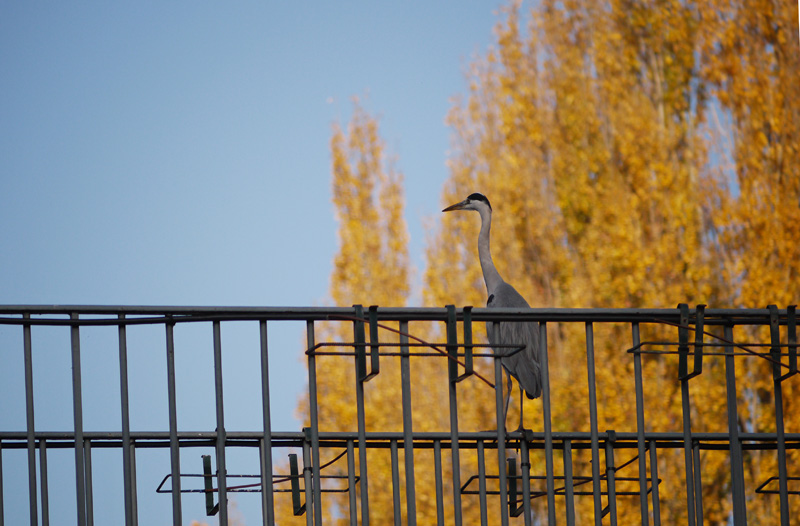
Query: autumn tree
(637,153)
(371,267)
(594,130)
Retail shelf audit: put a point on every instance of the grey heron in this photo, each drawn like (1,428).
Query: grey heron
(524,365)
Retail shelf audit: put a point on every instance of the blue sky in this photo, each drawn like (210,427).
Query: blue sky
(177,153)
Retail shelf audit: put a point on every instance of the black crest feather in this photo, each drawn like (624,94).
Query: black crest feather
(480,197)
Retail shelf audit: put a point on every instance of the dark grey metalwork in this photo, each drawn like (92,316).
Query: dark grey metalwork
(526,478)
(220,445)
(596,491)
(408,429)
(395,483)
(691,494)
(452,344)
(640,443)
(26,330)
(777,380)
(267,500)
(735,444)
(361,375)
(128,482)
(698,482)
(437,470)
(654,476)
(611,469)
(2,507)
(174,452)
(527,486)
(501,438)
(351,481)
(77,409)
(87,451)
(569,487)
(314,416)
(43,481)
(548,427)
(482,483)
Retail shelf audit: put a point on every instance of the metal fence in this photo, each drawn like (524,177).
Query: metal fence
(501,483)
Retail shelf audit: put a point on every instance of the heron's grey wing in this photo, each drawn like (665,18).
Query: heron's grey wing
(523,365)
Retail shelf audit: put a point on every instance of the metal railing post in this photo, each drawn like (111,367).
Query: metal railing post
(737,469)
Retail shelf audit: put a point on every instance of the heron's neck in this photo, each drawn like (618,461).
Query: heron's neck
(490,275)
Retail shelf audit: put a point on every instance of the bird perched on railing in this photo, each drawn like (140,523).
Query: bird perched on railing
(523,365)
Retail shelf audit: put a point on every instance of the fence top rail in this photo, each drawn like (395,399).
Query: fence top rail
(132,314)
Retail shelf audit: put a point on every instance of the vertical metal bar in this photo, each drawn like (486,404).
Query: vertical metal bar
(126,426)
(737,469)
(77,408)
(611,476)
(482,483)
(134,500)
(452,350)
(683,335)
(501,435)
(361,372)
(525,464)
(222,472)
(307,479)
(698,482)
(267,500)
(775,351)
(43,482)
(569,488)
(437,468)
(2,513)
(654,482)
(89,493)
(316,501)
(267,516)
(640,443)
(408,437)
(351,482)
(174,451)
(31,433)
(548,427)
(395,482)
(596,489)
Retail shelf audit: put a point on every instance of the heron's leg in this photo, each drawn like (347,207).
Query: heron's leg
(520,409)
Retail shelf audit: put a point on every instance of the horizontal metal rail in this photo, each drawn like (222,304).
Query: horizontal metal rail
(12,314)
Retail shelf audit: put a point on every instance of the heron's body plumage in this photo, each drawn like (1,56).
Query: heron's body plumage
(523,364)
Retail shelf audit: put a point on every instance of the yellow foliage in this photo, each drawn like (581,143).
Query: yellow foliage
(636,154)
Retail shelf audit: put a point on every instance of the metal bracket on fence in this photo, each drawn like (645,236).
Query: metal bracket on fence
(762,489)
(468,369)
(775,340)
(294,474)
(513,490)
(791,330)
(361,343)
(683,342)
(208,486)
(452,344)
(293,478)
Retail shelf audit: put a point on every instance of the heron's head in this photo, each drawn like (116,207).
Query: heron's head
(475,202)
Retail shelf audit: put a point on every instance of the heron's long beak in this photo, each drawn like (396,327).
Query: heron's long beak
(457,206)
